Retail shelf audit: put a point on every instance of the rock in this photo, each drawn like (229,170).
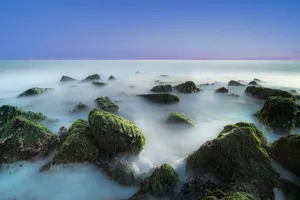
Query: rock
(111,78)
(93,77)
(132,86)
(222,90)
(290,189)
(79,126)
(106,104)
(258,133)
(137,72)
(278,114)
(179,118)
(34,92)
(162,98)
(242,196)
(293,91)
(252,83)
(99,84)
(237,161)
(286,151)
(163,75)
(8,112)
(73,86)
(114,134)
(234,83)
(65,79)
(257,80)
(23,139)
(46,167)
(207,84)
(297,122)
(263,93)
(161,183)
(297,97)
(117,170)
(187,87)
(233,95)
(80,107)
(162,88)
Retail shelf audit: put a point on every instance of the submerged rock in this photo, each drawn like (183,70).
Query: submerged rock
(161,183)
(80,107)
(293,91)
(237,161)
(233,95)
(117,170)
(34,92)
(111,78)
(162,98)
(99,84)
(286,151)
(263,93)
(163,75)
(90,78)
(23,139)
(187,87)
(179,118)
(67,79)
(115,134)
(162,88)
(278,114)
(222,90)
(234,83)
(8,112)
(252,83)
(106,104)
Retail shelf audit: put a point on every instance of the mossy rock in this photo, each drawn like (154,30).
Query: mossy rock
(252,83)
(65,79)
(80,107)
(187,87)
(8,112)
(162,88)
(117,170)
(286,151)
(234,83)
(115,134)
(23,139)
(179,118)
(90,78)
(259,134)
(235,158)
(162,182)
(161,98)
(106,104)
(222,90)
(278,114)
(77,148)
(264,93)
(111,78)
(241,196)
(98,84)
(233,95)
(34,92)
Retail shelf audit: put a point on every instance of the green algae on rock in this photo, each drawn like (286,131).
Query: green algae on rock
(34,92)
(286,151)
(90,78)
(161,183)
(222,90)
(23,139)
(115,134)
(187,87)
(161,98)
(98,84)
(263,92)
(235,158)
(117,170)
(234,83)
(65,79)
(8,112)
(80,107)
(111,78)
(278,114)
(162,88)
(106,104)
(179,118)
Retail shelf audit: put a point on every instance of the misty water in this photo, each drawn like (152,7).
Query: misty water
(164,143)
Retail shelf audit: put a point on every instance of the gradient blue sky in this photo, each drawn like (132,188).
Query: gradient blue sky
(149,29)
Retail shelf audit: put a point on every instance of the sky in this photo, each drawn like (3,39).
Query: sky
(149,29)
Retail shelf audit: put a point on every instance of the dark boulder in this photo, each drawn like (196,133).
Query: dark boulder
(162,98)
(106,104)
(65,79)
(90,78)
(187,87)
(222,90)
(234,83)
(162,88)
(34,92)
(263,92)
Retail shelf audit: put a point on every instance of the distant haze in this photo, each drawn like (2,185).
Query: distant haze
(135,29)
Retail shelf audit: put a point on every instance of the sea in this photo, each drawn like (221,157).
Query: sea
(165,143)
